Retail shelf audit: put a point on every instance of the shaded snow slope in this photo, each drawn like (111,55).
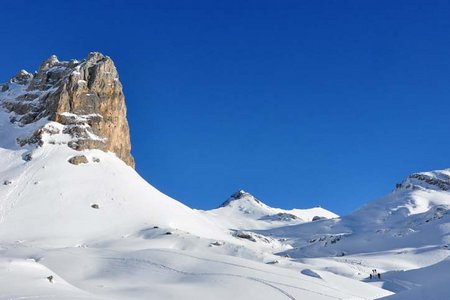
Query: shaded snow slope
(107,273)
(425,283)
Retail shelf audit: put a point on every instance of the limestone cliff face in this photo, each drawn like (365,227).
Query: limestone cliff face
(86,96)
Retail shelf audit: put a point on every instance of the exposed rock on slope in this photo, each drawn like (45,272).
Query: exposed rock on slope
(79,159)
(437,180)
(85,96)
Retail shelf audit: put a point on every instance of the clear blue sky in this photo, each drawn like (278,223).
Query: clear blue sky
(302,103)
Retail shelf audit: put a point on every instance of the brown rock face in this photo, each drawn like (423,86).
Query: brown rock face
(86,96)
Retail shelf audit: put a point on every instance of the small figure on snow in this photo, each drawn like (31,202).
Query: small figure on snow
(370,276)
(50,278)
(379,276)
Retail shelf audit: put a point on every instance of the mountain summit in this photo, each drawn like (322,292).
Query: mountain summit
(242,210)
(85,96)
(242,196)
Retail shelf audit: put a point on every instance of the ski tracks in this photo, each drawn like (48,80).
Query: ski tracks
(12,197)
(267,283)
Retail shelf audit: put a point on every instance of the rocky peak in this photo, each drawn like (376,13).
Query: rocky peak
(85,96)
(435,180)
(241,196)
(22,77)
(48,63)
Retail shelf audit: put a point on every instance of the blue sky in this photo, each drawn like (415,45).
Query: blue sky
(302,103)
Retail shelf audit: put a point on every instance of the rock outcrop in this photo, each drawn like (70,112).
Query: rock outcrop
(79,159)
(86,96)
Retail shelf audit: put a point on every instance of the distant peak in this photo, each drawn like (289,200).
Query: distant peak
(241,195)
(96,56)
(23,73)
(52,60)
(22,77)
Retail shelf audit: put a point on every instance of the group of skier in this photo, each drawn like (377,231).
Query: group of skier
(375,273)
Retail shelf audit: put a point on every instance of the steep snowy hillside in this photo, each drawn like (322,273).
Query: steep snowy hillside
(77,221)
(243,211)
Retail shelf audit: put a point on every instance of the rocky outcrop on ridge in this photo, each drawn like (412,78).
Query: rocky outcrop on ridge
(435,180)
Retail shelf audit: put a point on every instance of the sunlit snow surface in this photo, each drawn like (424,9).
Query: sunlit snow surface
(141,244)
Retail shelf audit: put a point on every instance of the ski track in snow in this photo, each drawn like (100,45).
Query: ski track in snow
(5,209)
(10,200)
(221,262)
(259,270)
(268,283)
(164,267)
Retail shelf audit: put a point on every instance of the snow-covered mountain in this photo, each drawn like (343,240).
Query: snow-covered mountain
(243,211)
(411,215)
(77,221)
(408,229)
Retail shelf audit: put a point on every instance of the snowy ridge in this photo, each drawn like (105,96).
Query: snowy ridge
(243,211)
(407,229)
(437,180)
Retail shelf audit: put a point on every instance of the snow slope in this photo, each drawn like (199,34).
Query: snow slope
(58,195)
(424,283)
(413,215)
(106,273)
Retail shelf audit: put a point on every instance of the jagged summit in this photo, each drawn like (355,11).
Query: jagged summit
(49,62)
(22,77)
(84,96)
(419,193)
